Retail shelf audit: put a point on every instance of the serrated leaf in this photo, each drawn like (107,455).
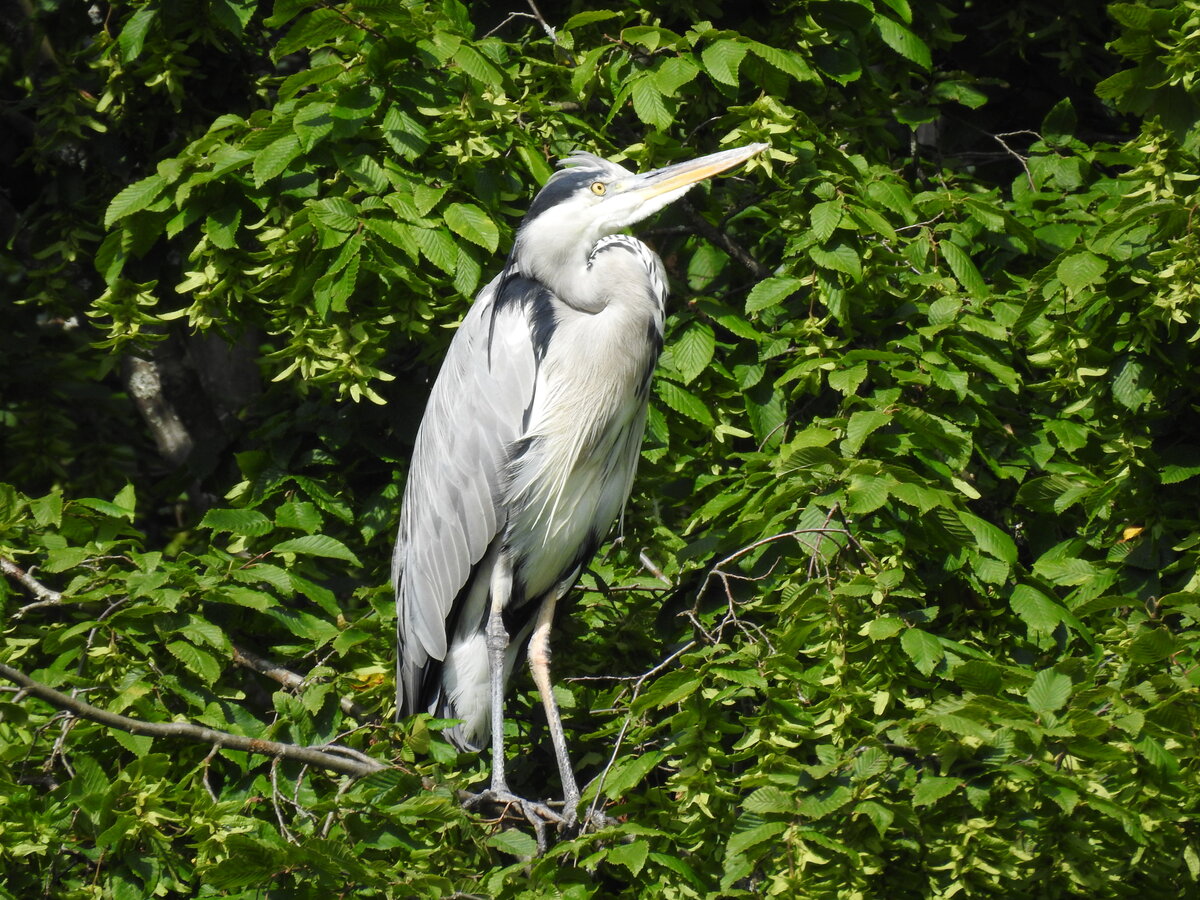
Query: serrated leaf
(964,269)
(722,59)
(673,73)
(904,42)
(933,788)
(649,104)
(1130,385)
(922,648)
(246,522)
(787,61)
(317,545)
(133,35)
(514,842)
(1049,691)
(631,855)
(477,66)
(1081,269)
(298,514)
(134,198)
(683,402)
(693,351)
(1039,612)
(438,247)
(769,799)
(629,772)
(336,212)
(771,291)
(838,258)
(199,662)
(989,538)
(825,218)
(883,628)
(860,426)
(276,157)
(752,837)
(404,134)
(469,221)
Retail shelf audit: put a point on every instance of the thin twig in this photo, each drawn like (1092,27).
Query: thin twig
(340,759)
(45,596)
(536,15)
(290,679)
(716,236)
(999,139)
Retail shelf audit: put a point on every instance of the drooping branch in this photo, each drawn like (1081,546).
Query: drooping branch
(331,757)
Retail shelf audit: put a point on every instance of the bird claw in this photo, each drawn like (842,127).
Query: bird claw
(539,815)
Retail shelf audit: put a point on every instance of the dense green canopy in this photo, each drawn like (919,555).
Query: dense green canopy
(906,600)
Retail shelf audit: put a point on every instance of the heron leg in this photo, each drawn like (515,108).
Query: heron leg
(539,664)
(497,644)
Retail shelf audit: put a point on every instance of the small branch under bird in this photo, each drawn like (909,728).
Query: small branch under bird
(528,446)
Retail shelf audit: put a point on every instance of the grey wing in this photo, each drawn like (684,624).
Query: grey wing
(452,502)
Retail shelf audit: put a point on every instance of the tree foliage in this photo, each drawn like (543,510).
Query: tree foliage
(907,596)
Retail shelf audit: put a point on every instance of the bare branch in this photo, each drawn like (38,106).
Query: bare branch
(716,236)
(290,679)
(536,15)
(45,596)
(334,759)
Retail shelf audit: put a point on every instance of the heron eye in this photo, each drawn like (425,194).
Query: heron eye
(598,188)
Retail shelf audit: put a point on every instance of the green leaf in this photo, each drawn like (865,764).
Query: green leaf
(631,855)
(683,402)
(514,842)
(964,269)
(1039,612)
(199,662)
(134,198)
(438,247)
(1081,269)
(317,545)
(769,800)
(753,837)
(922,648)
(693,351)
(825,218)
(904,42)
(469,221)
(860,427)
(275,158)
(840,258)
(133,34)
(298,514)
(722,58)
(649,104)
(673,73)
(883,628)
(1049,691)
(404,134)
(477,66)
(989,538)
(246,522)
(771,291)
(932,788)
(336,212)
(787,61)
(1130,386)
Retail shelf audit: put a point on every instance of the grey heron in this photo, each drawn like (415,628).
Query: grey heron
(528,446)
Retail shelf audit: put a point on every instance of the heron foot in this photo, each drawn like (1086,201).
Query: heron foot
(504,805)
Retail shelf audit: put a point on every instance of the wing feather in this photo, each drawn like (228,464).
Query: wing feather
(451,511)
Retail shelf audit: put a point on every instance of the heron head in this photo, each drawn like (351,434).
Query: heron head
(589,197)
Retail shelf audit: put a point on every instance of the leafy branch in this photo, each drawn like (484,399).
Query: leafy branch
(327,756)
